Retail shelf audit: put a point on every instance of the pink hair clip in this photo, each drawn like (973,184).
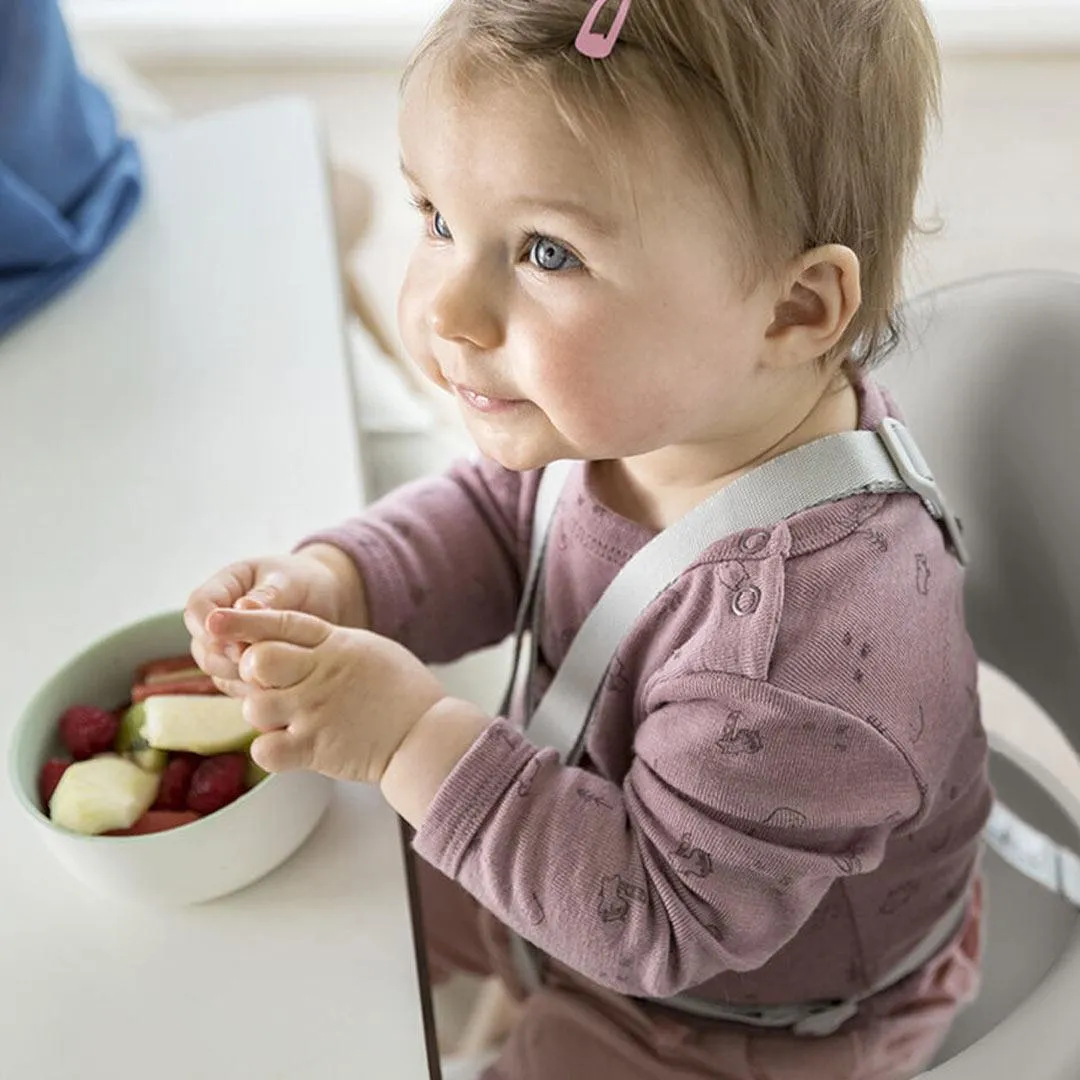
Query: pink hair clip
(595,45)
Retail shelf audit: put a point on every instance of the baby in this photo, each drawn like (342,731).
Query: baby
(663,243)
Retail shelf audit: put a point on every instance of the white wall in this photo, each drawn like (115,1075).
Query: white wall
(383,31)
(1003,176)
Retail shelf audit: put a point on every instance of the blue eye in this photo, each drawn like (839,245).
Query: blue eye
(439,226)
(550,255)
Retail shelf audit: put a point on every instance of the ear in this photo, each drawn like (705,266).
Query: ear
(819,296)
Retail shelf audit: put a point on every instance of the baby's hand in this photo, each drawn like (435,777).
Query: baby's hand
(318,581)
(334,700)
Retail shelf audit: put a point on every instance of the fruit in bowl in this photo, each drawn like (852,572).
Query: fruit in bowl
(203,833)
(174,752)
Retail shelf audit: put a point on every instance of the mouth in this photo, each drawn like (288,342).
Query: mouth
(484,403)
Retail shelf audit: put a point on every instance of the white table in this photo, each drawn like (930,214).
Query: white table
(185,404)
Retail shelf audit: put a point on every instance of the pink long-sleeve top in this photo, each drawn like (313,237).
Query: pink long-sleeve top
(786,777)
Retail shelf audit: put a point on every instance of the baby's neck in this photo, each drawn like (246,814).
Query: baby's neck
(657,489)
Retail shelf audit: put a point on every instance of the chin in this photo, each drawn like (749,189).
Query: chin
(516,462)
(516,458)
(518,446)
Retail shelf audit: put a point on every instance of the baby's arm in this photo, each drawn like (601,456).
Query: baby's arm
(439,561)
(704,860)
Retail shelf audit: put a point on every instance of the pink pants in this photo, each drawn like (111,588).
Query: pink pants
(572,1029)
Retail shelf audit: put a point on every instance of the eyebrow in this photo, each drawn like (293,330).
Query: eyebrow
(599,224)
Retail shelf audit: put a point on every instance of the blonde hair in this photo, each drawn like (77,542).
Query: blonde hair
(809,116)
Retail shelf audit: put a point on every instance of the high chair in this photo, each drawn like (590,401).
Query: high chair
(987,376)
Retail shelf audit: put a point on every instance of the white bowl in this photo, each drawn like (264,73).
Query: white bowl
(209,858)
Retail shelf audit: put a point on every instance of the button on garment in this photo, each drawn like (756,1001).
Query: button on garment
(755,541)
(746,600)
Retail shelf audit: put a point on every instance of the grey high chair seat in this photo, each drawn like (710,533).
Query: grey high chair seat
(988,378)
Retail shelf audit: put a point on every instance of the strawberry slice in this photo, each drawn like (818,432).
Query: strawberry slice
(218,781)
(49,777)
(176,781)
(192,671)
(169,665)
(202,685)
(87,730)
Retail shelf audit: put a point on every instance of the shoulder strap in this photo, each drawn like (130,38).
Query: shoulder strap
(552,481)
(829,469)
(1033,853)
(823,471)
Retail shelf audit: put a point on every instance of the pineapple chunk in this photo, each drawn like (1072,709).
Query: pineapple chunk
(104,793)
(198,724)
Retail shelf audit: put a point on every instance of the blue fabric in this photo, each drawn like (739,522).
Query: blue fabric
(68,182)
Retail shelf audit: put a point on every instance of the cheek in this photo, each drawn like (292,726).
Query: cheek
(562,353)
(414,302)
(576,368)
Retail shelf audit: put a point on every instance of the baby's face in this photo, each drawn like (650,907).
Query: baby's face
(572,315)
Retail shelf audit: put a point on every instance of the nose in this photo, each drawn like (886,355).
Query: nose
(465,309)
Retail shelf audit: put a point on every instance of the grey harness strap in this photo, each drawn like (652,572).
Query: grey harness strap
(827,470)
(823,471)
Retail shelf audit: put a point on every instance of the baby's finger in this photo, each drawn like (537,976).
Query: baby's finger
(212,661)
(276,665)
(295,627)
(267,710)
(222,590)
(280,751)
(269,592)
(234,688)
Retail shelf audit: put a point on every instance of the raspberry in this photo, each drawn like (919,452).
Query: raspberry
(50,775)
(175,782)
(217,782)
(87,730)
(157,821)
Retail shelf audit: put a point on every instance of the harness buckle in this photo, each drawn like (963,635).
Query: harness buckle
(916,473)
(828,1022)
